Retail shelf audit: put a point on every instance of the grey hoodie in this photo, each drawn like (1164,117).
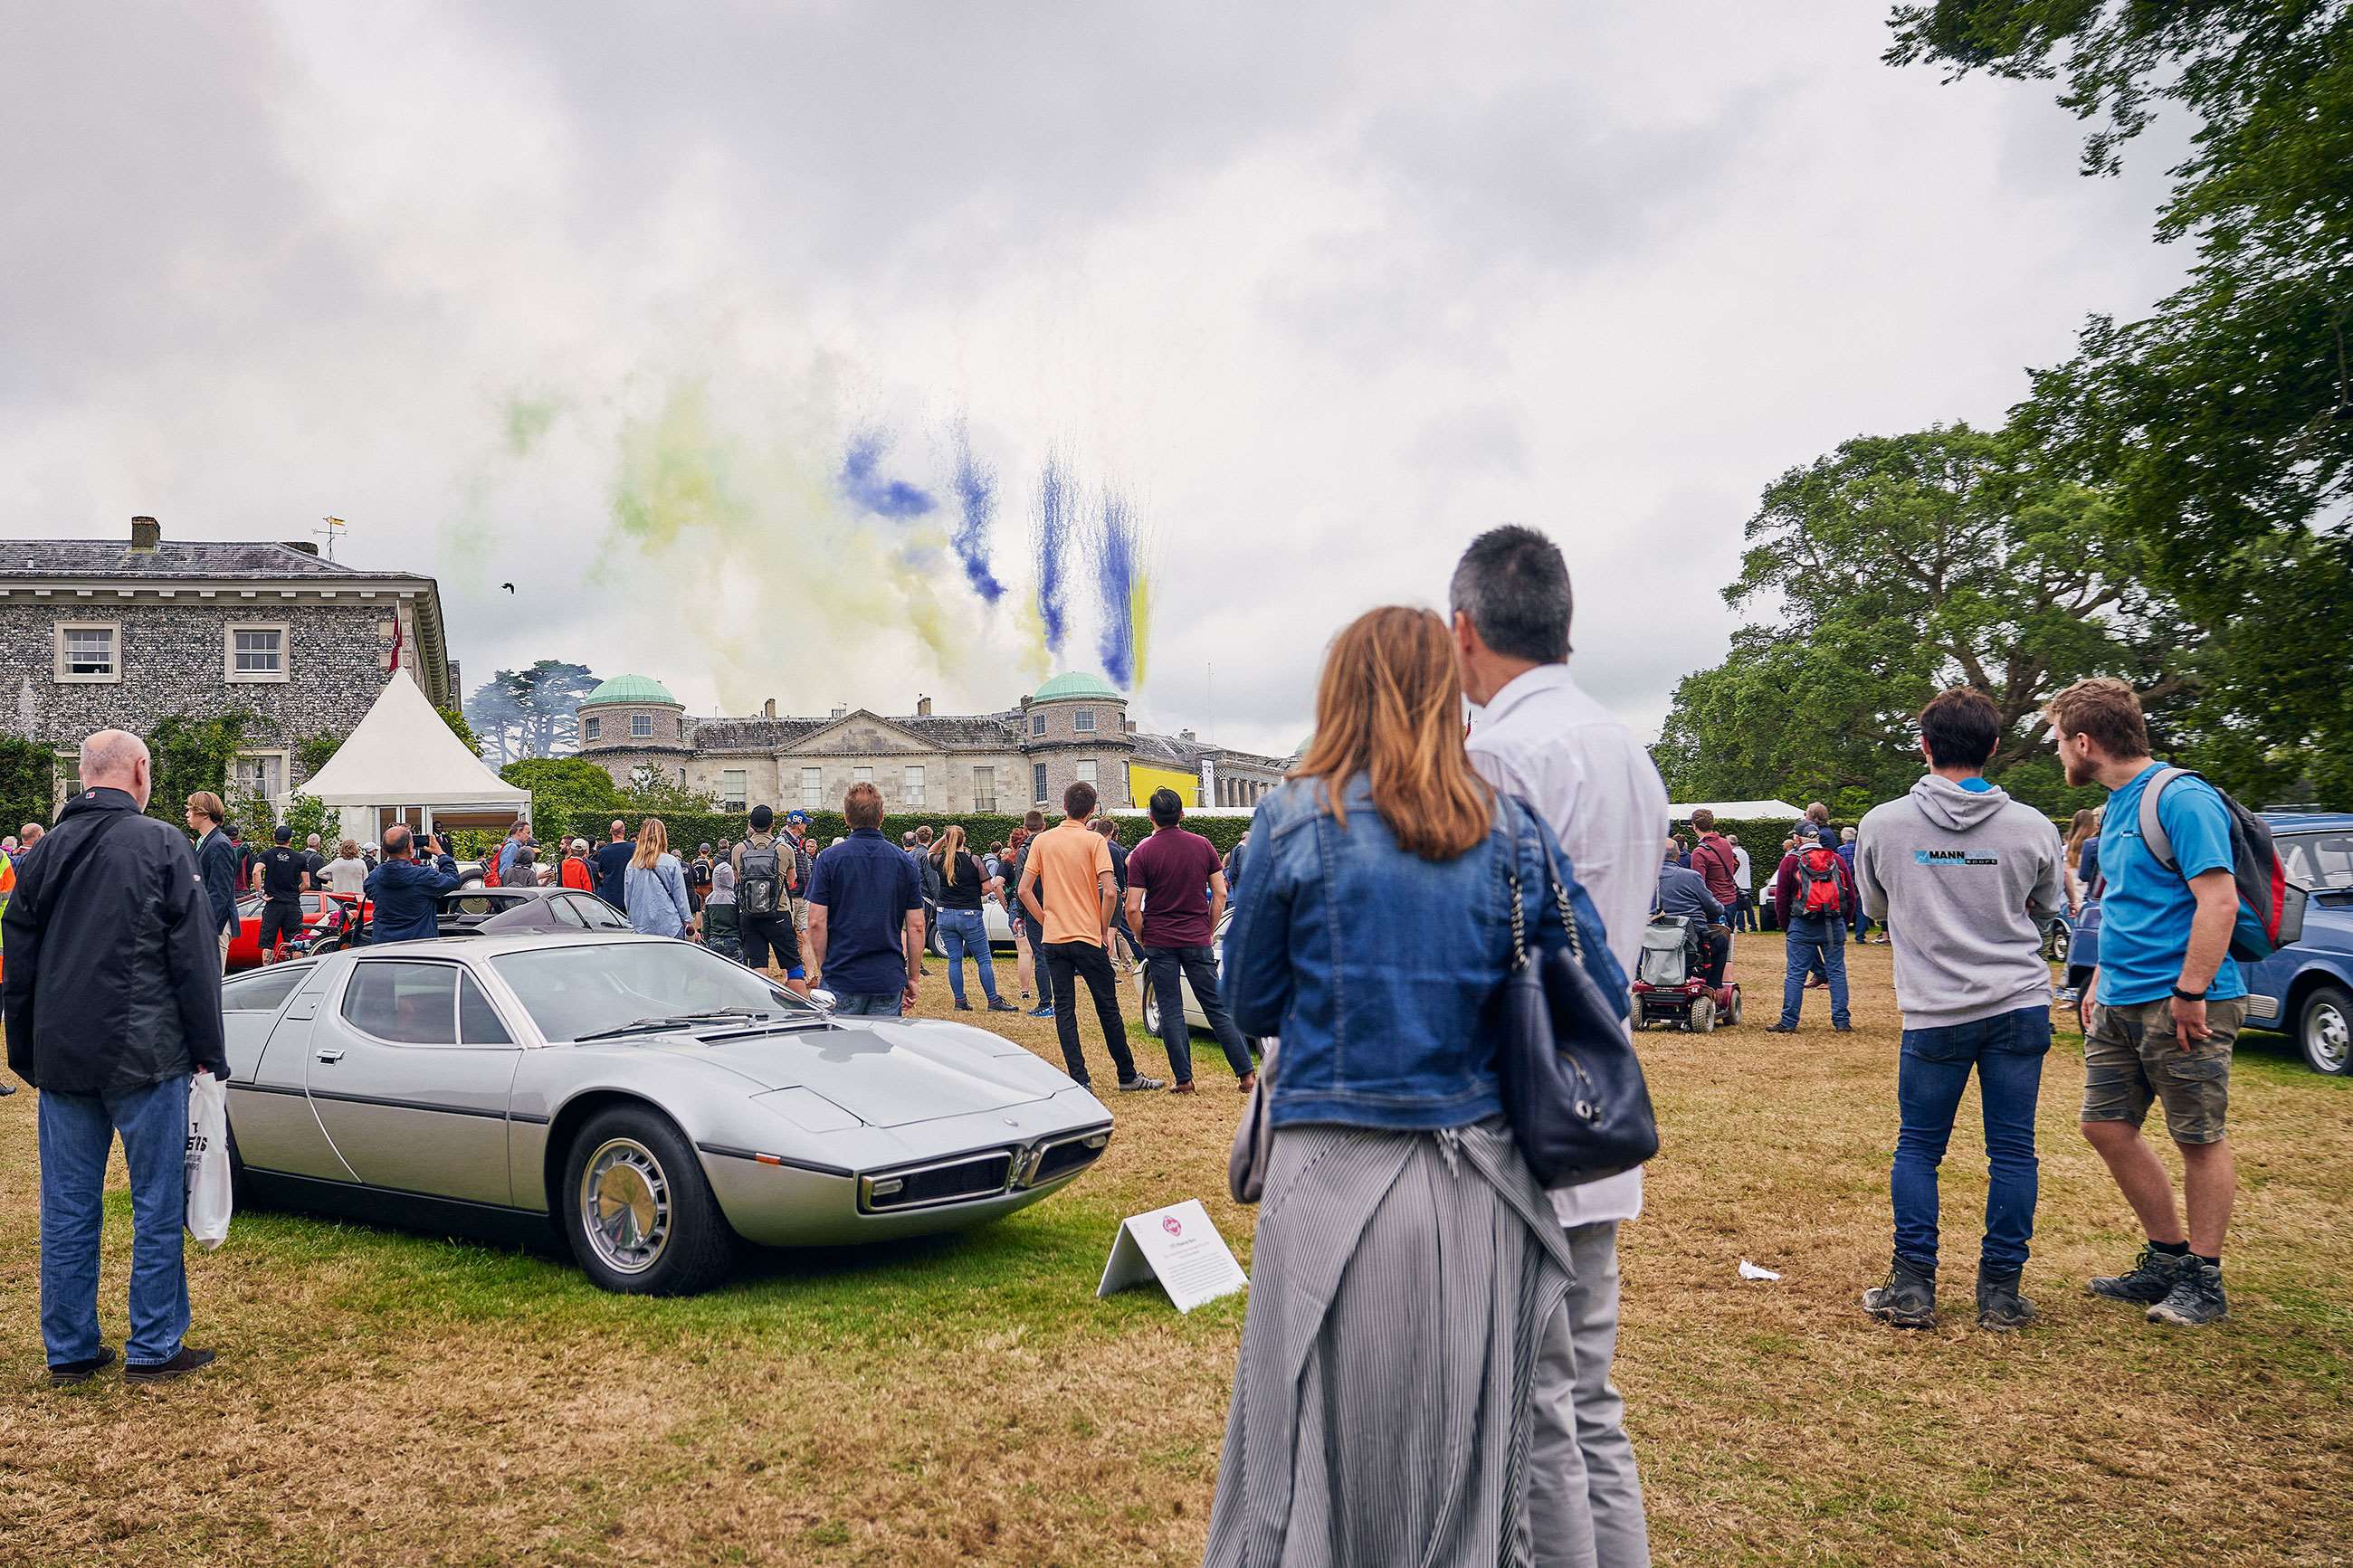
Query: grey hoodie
(1965,880)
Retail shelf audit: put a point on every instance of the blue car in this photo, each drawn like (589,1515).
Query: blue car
(2305,990)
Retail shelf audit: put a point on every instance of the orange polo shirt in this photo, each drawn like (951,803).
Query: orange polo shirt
(1071,861)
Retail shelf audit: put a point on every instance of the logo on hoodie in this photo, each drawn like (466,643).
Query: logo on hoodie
(1955,858)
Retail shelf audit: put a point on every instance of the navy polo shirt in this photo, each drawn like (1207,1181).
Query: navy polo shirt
(866,886)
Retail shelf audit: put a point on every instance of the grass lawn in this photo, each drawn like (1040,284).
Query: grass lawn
(389,1399)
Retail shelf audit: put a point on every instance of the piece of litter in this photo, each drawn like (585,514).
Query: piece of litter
(1750,1271)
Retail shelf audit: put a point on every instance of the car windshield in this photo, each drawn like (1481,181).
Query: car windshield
(2317,861)
(589,988)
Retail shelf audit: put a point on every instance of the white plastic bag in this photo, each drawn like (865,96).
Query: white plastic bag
(208,1185)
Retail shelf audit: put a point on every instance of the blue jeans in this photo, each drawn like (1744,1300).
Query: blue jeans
(964,931)
(867,1004)
(1813,942)
(76,1132)
(1197,965)
(2007,1051)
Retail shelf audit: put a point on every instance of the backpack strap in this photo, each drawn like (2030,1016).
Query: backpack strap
(2152,831)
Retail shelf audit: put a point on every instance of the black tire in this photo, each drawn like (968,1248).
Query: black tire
(2323,1030)
(695,1247)
(1703,1015)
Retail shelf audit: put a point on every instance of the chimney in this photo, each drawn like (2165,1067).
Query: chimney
(307,546)
(1129,726)
(1025,705)
(839,711)
(146,533)
(768,708)
(1184,734)
(923,707)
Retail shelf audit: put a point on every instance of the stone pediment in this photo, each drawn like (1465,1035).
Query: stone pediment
(864,734)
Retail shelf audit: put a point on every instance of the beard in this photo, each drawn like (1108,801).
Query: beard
(2081,775)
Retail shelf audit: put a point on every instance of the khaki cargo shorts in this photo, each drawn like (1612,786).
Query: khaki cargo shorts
(2132,1055)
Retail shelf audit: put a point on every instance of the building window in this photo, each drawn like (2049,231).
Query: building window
(1083,720)
(1086,774)
(1037,782)
(983,789)
(641,726)
(861,775)
(911,786)
(258,774)
(253,652)
(89,652)
(812,788)
(735,784)
(1037,725)
(591,728)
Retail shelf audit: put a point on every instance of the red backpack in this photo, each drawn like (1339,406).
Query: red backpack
(1817,882)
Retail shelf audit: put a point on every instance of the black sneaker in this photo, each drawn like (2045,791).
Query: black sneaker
(65,1374)
(1843,1028)
(1999,1306)
(1002,1005)
(2149,1280)
(1909,1299)
(189,1360)
(1780,1028)
(2196,1298)
(1139,1083)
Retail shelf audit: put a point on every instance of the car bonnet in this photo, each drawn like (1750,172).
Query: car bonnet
(887,1073)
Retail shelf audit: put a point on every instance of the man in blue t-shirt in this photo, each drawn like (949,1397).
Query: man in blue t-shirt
(2167,1007)
(866,915)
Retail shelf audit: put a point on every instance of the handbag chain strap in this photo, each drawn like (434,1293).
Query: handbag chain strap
(1559,896)
(1519,928)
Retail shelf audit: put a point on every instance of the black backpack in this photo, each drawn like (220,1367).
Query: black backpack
(2271,908)
(760,886)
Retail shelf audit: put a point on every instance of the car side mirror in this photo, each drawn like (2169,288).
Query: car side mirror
(825,1000)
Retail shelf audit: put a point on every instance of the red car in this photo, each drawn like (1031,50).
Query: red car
(245,948)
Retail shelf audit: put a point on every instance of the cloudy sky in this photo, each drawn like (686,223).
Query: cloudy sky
(595,297)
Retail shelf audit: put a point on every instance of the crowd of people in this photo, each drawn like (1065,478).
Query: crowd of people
(1410,1276)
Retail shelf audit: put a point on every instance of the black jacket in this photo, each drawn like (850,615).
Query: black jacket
(216,860)
(114,973)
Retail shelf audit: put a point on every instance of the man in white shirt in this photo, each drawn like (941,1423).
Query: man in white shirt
(1744,878)
(1542,738)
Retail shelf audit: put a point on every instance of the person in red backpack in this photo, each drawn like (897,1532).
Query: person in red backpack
(1813,898)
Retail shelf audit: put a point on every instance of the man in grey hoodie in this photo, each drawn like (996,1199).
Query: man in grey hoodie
(1965,878)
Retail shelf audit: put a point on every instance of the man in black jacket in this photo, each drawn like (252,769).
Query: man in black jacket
(111,997)
(216,860)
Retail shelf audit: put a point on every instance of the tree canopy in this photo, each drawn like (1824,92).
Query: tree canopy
(561,788)
(530,713)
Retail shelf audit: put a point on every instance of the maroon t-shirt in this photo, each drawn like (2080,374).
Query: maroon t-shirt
(1174,868)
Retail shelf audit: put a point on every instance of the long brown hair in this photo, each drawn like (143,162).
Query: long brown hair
(945,851)
(1390,706)
(653,842)
(2085,824)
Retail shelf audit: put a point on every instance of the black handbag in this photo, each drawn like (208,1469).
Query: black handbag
(1573,1090)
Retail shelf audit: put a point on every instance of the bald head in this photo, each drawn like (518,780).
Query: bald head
(117,759)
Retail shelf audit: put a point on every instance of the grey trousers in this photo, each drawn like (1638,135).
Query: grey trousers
(1579,1444)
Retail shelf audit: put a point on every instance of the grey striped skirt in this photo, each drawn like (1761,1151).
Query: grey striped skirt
(1400,1285)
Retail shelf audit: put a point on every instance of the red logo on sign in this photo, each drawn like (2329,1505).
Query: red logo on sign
(1168,1223)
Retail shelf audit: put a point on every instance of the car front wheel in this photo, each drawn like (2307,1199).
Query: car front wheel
(1150,1011)
(2324,1028)
(638,1211)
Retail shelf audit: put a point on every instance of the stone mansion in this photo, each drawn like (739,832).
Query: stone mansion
(1073,727)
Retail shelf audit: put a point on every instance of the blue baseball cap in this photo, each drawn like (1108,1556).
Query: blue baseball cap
(796,817)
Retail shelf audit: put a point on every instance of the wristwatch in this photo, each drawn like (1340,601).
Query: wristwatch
(2181,995)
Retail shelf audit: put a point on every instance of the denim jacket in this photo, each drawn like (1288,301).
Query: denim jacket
(1378,968)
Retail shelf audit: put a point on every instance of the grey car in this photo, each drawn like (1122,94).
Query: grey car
(652,1101)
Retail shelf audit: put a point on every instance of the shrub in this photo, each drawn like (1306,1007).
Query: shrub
(688,830)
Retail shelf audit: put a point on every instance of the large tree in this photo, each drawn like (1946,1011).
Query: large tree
(530,713)
(1896,566)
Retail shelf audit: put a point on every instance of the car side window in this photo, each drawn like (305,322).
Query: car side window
(478,1022)
(600,915)
(263,992)
(407,1003)
(568,914)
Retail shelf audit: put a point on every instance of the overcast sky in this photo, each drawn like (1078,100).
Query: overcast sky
(594,298)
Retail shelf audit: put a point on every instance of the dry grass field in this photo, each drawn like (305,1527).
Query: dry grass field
(397,1399)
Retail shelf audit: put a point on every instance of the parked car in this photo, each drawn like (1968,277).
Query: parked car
(651,1103)
(2305,990)
(1148,1004)
(244,947)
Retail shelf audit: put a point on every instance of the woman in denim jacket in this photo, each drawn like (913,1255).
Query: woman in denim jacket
(1406,1263)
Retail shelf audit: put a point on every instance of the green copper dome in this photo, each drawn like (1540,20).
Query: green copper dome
(1074,684)
(629,689)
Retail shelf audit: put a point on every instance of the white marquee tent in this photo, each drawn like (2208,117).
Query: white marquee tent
(402,765)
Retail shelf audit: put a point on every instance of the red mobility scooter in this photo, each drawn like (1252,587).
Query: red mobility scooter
(1671,987)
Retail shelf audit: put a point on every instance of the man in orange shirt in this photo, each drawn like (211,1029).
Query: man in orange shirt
(1068,889)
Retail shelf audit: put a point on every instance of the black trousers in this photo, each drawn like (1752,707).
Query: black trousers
(1066,961)
(1715,953)
(761,932)
(281,918)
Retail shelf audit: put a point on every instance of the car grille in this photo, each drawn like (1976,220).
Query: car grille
(1062,1158)
(982,1176)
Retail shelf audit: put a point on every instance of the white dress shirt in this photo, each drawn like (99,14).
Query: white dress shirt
(1544,739)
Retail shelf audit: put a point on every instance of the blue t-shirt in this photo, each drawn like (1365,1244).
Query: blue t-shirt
(2146,912)
(866,886)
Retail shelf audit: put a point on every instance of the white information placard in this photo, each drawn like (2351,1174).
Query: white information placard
(1179,1247)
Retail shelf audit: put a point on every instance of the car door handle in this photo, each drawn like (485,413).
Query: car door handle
(331,1055)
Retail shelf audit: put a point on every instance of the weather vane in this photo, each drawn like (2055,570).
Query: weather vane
(332,532)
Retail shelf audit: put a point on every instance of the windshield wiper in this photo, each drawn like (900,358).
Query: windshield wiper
(672,1021)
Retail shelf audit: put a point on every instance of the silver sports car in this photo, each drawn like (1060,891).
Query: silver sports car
(652,1100)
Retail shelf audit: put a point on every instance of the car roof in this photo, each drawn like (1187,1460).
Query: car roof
(2308,821)
(492,945)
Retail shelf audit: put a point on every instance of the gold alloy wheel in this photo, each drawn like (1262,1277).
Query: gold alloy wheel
(625,1205)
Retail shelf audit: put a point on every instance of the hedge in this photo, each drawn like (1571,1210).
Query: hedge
(689,828)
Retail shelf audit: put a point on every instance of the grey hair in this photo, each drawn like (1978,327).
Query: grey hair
(1514,586)
(111,754)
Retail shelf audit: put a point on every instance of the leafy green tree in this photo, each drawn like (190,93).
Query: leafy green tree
(653,791)
(315,752)
(460,728)
(561,788)
(28,781)
(189,754)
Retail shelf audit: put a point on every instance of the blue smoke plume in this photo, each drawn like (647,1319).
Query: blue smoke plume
(1115,569)
(976,487)
(865,487)
(1051,531)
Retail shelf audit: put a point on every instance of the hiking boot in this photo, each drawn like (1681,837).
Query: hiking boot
(2149,1280)
(964,1006)
(1001,1005)
(189,1360)
(2196,1298)
(1999,1306)
(1909,1299)
(65,1374)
